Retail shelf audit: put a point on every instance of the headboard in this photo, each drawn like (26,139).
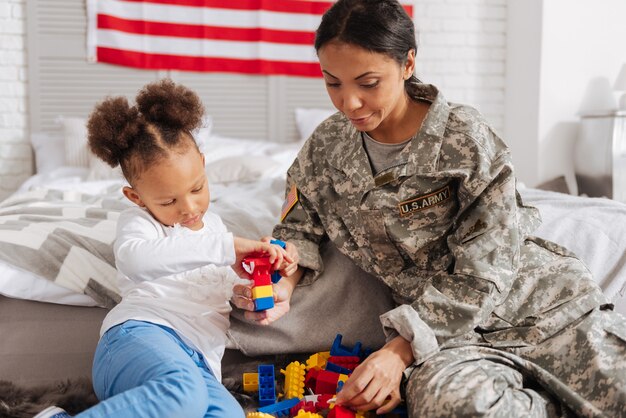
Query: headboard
(62,83)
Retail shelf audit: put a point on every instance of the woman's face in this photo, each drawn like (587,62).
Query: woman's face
(367,87)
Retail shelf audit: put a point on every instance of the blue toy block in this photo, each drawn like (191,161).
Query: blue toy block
(337,369)
(267,390)
(276,275)
(278,242)
(280,409)
(339,350)
(261,304)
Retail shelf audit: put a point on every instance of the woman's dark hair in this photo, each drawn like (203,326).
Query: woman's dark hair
(381,26)
(136,136)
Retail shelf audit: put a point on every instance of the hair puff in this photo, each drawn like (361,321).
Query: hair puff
(170,105)
(112,126)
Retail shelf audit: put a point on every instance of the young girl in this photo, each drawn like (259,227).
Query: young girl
(420,192)
(160,348)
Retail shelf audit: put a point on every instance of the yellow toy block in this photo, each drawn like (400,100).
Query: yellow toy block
(250,382)
(303,414)
(262,292)
(259,415)
(342,378)
(317,360)
(294,380)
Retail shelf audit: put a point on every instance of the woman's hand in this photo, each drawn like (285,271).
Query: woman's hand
(375,383)
(242,298)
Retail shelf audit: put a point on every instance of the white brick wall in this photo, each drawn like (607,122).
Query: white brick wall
(462,50)
(15,153)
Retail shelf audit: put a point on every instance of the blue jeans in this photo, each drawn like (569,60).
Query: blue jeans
(145,370)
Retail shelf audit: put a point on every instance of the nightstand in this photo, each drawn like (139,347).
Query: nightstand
(600,156)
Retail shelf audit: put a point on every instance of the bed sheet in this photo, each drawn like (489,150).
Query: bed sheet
(249,198)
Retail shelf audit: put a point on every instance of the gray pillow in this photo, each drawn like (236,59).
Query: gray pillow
(343,300)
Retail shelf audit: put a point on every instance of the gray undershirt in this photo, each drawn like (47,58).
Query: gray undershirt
(383,156)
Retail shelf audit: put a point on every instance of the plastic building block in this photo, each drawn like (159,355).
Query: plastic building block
(294,380)
(250,382)
(307,414)
(347,362)
(341,412)
(258,415)
(322,401)
(337,369)
(303,405)
(267,390)
(259,268)
(339,350)
(262,292)
(310,378)
(317,360)
(276,275)
(326,382)
(280,409)
(262,304)
(342,378)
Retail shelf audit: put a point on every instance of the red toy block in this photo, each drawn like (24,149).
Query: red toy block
(347,362)
(259,268)
(341,412)
(310,378)
(326,382)
(322,400)
(304,405)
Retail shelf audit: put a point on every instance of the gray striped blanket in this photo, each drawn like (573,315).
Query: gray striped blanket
(66,237)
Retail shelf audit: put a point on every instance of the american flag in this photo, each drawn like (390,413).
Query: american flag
(242,36)
(290,201)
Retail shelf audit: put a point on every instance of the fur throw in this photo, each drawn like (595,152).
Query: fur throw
(72,395)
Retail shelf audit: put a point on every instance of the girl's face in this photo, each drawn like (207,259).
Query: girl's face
(175,189)
(367,87)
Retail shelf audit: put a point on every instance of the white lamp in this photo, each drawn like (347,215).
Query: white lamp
(620,85)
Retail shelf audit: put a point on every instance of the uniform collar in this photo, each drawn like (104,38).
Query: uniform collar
(350,156)
(425,147)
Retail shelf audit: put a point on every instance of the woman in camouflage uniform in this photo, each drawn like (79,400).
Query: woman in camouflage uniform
(490,321)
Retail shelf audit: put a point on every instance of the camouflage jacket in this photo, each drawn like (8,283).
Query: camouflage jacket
(442,230)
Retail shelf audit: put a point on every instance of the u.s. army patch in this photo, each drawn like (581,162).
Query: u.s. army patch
(290,202)
(424,202)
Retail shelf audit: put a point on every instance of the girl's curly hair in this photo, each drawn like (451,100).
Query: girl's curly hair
(137,136)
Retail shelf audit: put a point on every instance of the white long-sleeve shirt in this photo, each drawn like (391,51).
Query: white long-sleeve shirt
(176,277)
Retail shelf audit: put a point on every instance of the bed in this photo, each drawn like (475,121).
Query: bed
(57,275)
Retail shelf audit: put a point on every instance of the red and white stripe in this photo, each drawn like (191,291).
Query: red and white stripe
(244,36)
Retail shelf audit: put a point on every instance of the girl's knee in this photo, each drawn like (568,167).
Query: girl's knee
(186,393)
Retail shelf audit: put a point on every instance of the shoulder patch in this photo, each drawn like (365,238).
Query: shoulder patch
(418,203)
(290,202)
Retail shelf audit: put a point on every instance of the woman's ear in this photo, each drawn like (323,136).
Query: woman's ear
(409,65)
(132,195)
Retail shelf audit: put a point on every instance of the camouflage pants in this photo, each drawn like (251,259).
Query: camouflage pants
(581,371)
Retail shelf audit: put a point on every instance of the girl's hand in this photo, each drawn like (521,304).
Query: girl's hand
(290,262)
(245,247)
(375,383)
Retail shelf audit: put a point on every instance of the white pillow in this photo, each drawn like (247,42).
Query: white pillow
(49,151)
(75,141)
(202,135)
(99,170)
(308,119)
(241,169)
